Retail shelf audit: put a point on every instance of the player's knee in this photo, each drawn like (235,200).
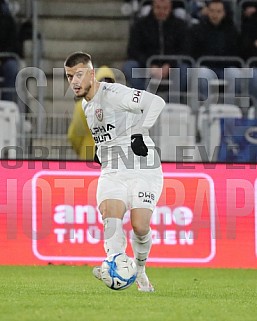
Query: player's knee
(140,230)
(103,211)
(112,208)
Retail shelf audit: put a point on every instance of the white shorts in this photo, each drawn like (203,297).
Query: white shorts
(136,188)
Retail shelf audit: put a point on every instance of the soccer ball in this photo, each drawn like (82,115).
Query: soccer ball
(118,271)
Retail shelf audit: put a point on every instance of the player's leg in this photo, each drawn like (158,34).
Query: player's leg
(141,244)
(114,238)
(145,192)
(141,235)
(112,203)
(112,211)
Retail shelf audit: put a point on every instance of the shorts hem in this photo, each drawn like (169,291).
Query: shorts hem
(112,198)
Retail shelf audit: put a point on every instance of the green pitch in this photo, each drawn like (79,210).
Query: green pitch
(71,293)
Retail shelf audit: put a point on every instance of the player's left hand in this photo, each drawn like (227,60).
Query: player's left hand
(138,146)
(96,159)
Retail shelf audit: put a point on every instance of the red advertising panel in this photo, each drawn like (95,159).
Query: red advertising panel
(65,216)
(183,223)
(205,216)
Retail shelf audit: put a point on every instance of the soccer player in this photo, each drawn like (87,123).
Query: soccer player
(131,177)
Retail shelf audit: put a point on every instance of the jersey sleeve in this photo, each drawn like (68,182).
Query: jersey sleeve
(124,98)
(151,106)
(138,101)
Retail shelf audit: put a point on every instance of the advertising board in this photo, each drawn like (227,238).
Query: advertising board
(206,215)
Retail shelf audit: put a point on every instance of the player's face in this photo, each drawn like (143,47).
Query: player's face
(161,9)
(80,78)
(216,12)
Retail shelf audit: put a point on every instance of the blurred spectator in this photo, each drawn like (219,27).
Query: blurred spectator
(142,8)
(249,8)
(216,35)
(158,33)
(249,47)
(8,44)
(199,9)
(78,133)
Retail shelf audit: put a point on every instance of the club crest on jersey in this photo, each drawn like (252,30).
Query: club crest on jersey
(99,114)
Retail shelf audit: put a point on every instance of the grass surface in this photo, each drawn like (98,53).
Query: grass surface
(53,293)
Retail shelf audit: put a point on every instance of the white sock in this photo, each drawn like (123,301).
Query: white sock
(141,247)
(114,238)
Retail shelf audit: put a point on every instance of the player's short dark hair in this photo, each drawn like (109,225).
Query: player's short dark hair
(77,58)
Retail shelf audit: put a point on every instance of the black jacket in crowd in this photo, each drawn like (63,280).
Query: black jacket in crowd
(150,37)
(8,33)
(249,36)
(207,39)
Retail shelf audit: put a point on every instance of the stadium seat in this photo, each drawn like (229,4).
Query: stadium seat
(171,85)
(174,128)
(9,127)
(252,112)
(209,125)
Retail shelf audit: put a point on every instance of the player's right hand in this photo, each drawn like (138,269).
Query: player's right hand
(138,146)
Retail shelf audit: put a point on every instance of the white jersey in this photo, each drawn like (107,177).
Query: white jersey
(113,115)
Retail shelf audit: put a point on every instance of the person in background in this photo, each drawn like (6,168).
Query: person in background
(158,33)
(199,10)
(216,35)
(137,8)
(249,8)
(8,44)
(79,134)
(249,43)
